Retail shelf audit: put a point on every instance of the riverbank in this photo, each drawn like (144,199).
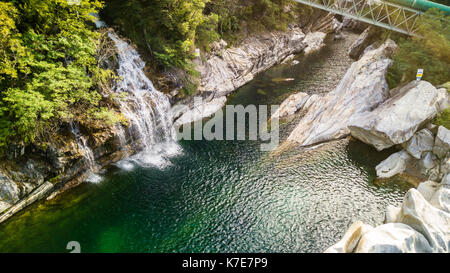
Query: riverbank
(33,173)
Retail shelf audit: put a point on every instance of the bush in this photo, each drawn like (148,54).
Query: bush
(430,52)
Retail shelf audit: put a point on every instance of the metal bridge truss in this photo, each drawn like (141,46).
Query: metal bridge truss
(383,14)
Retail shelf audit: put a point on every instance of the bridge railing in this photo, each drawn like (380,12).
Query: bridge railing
(376,12)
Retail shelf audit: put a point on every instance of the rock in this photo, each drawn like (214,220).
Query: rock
(362,89)
(314,41)
(224,72)
(37,194)
(446,180)
(428,164)
(349,23)
(422,141)
(428,189)
(200,111)
(288,59)
(398,118)
(445,165)
(9,192)
(394,164)
(363,41)
(431,222)
(392,214)
(291,105)
(350,239)
(295,62)
(442,142)
(441,198)
(393,238)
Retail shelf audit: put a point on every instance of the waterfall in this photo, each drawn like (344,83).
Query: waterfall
(88,154)
(151,131)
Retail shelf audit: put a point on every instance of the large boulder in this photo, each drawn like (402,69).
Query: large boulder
(314,41)
(393,165)
(393,238)
(430,221)
(397,119)
(422,141)
(362,89)
(442,142)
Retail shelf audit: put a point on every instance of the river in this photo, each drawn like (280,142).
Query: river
(223,196)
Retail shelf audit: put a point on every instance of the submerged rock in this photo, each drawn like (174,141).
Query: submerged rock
(397,119)
(362,89)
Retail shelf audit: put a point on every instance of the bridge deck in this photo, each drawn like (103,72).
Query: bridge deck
(375,12)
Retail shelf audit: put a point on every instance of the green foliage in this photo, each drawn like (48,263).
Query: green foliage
(443,119)
(430,52)
(48,66)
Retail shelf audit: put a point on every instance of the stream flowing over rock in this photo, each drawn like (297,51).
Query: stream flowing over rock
(361,90)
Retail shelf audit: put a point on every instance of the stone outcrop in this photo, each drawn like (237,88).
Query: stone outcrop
(396,121)
(442,142)
(393,165)
(422,141)
(227,69)
(364,40)
(421,224)
(361,90)
(201,110)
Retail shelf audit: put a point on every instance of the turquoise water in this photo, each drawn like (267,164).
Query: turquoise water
(220,196)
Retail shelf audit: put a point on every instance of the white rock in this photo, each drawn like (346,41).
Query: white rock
(393,165)
(441,198)
(314,41)
(228,69)
(9,192)
(397,119)
(431,222)
(392,214)
(198,112)
(363,88)
(350,239)
(422,141)
(360,44)
(291,105)
(446,180)
(428,189)
(442,142)
(428,164)
(393,238)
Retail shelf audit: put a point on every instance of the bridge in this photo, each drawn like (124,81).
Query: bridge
(400,17)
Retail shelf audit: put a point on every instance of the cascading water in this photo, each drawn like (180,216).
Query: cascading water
(150,130)
(87,154)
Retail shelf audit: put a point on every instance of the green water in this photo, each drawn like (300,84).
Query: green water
(221,196)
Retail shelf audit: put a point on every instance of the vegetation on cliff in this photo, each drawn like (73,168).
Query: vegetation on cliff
(170,30)
(49,73)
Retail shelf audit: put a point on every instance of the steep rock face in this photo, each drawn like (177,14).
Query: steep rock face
(362,89)
(364,40)
(225,70)
(395,121)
